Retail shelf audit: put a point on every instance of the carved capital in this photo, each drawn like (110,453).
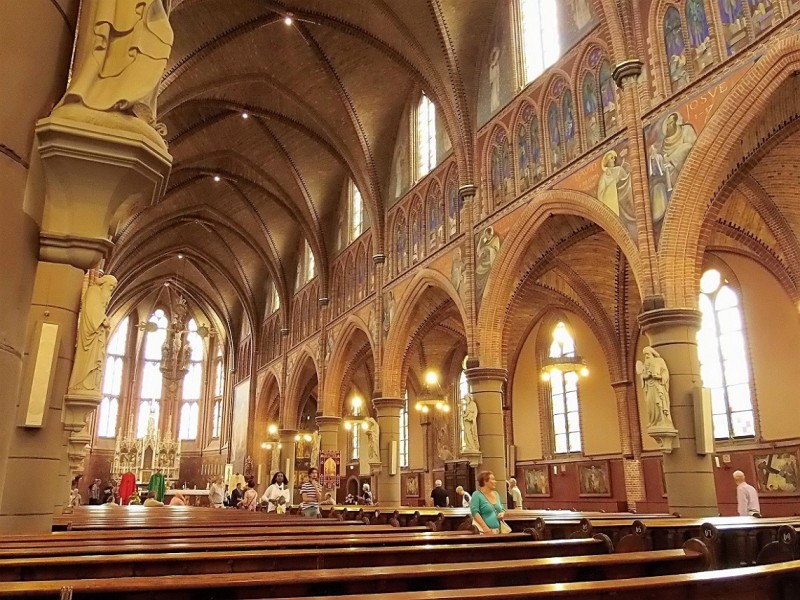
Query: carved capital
(664,318)
(379,259)
(80,252)
(627,71)
(388,406)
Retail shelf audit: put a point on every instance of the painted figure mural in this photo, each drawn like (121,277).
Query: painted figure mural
(571,143)
(766,13)
(453,208)
(614,188)
(590,118)
(435,216)
(400,241)
(554,133)
(608,97)
(676,49)
(494,78)
(487,250)
(524,157)
(501,177)
(413,225)
(734,29)
(699,35)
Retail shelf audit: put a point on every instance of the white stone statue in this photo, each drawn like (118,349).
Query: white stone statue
(121,53)
(654,375)
(470,425)
(93,333)
(373,441)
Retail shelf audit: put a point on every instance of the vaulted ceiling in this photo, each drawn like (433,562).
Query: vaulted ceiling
(325,94)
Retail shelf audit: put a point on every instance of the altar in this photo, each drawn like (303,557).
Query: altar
(146,456)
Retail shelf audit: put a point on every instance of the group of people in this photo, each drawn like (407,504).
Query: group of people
(441,499)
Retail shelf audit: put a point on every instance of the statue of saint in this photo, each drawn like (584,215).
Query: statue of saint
(315,445)
(654,376)
(121,53)
(487,251)
(470,424)
(373,441)
(93,333)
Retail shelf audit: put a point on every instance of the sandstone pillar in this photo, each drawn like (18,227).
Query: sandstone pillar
(328,432)
(287,453)
(388,417)
(689,476)
(486,385)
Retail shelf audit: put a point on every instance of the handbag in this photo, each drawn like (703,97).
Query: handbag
(504,527)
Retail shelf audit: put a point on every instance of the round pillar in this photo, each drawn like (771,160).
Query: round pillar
(388,416)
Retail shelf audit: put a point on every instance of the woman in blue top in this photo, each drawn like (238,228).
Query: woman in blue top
(486,508)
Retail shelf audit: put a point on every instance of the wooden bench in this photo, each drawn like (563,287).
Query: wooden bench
(375,579)
(204,563)
(773,582)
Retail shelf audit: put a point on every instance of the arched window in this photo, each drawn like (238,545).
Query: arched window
(274,300)
(404,434)
(112,382)
(219,388)
(306,267)
(355,443)
(426,137)
(463,392)
(192,385)
(538,20)
(356,212)
(564,395)
(723,358)
(150,398)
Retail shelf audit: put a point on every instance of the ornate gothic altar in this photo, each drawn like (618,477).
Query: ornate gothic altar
(148,455)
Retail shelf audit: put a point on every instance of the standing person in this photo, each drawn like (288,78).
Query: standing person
(516,494)
(311,492)
(439,495)
(486,507)
(216,493)
(236,495)
(277,495)
(465,496)
(250,497)
(746,497)
(367,495)
(94,493)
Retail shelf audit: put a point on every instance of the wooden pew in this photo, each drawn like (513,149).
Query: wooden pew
(237,561)
(375,579)
(263,542)
(773,582)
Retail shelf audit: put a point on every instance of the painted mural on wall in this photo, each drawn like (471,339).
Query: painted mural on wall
(500,169)
(487,247)
(670,139)
(766,14)
(497,70)
(530,161)
(608,179)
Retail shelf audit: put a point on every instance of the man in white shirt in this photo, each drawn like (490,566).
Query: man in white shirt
(516,494)
(746,496)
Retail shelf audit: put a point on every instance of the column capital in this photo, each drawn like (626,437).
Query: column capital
(663,318)
(386,404)
(620,385)
(329,421)
(467,191)
(379,259)
(627,71)
(284,331)
(486,374)
(323,301)
(287,435)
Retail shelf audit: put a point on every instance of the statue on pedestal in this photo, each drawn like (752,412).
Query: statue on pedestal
(373,441)
(654,376)
(470,425)
(93,333)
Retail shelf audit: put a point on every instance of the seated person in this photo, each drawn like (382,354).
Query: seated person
(151,500)
(178,500)
(328,501)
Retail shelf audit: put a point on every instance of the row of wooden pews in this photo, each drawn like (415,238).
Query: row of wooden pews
(177,553)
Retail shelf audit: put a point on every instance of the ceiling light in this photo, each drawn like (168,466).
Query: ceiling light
(288,20)
(245,115)
(216,178)
(180,256)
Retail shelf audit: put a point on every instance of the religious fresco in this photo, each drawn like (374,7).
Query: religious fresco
(435,216)
(590,110)
(497,85)
(734,25)
(554,134)
(487,246)
(400,244)
(576,18)
(530,162)
(608,97)
(458,271)
(415,219)
(765,14)
(699,35)
(502,178)
(676,49)
(571,144)
(670,139)
(401,177)
(608,179)
(453,206)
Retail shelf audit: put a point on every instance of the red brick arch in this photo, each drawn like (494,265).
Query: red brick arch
(510,260)
(340,359)
(406,325)
(716,158)
(304,367)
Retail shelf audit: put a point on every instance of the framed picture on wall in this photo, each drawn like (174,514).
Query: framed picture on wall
(776,474)
(594,480)
(411,486)
(536,481)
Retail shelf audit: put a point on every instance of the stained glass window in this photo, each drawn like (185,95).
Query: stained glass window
(564,395)
(112,382)
(426,136)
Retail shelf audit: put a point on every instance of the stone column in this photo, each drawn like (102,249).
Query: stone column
(486,385)
(388,417)
(287,452)
(689,477)
(39,39)
(631,442)
(328,432)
